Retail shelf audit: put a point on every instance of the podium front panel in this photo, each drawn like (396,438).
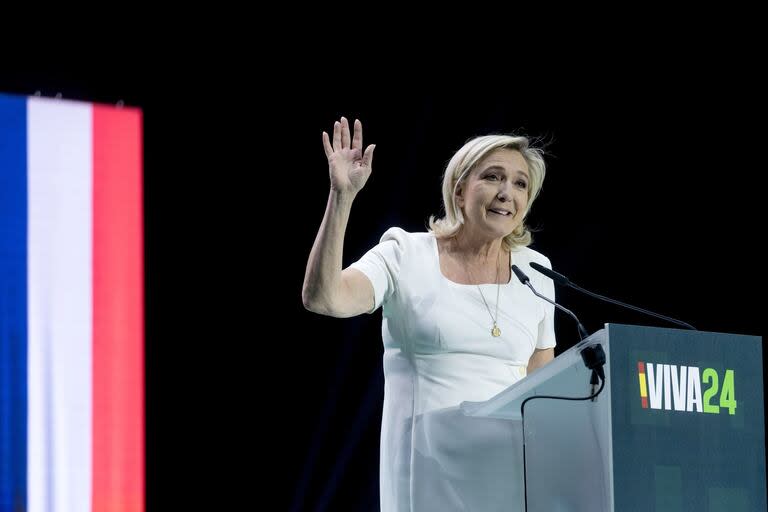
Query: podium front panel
(687,413)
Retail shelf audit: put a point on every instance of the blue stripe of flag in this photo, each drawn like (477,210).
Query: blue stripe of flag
(13,303)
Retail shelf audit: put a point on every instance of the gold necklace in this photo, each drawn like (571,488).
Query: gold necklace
(495,331)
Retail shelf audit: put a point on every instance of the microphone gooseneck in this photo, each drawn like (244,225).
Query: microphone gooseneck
(562,280)
(524,279)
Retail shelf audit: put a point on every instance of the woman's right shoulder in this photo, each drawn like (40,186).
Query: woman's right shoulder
(406,239)
(397,233)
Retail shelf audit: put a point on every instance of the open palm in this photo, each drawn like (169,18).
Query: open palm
(348,165)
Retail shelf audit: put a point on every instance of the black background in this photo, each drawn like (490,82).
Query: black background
(653,196)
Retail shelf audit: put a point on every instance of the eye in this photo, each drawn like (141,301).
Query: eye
(492,177)
(521,184)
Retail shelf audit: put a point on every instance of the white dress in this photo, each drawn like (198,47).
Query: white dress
(439,352)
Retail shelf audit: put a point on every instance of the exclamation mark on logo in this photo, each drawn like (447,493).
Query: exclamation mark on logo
(643,386)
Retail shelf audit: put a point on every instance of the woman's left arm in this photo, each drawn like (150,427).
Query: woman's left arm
(540,357)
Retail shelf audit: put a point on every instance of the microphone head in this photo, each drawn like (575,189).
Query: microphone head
(520,274)
(558,278)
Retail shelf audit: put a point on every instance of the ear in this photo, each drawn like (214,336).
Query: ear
(459,197)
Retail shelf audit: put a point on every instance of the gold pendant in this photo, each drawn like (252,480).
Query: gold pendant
(495,332)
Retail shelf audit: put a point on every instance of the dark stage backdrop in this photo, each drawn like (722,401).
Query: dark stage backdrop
(652,196)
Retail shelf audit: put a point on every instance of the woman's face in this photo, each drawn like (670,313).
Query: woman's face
(494,197)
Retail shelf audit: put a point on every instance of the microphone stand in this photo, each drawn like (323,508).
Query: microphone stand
(593,357)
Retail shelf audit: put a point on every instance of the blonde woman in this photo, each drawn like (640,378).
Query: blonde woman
(456,325)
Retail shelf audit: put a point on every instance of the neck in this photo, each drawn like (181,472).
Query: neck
(474,249)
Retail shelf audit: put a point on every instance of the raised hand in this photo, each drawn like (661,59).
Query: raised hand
(348,165)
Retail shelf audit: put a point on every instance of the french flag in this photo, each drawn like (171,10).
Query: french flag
(71,307)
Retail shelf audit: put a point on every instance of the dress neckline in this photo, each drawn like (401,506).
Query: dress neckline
(436,250)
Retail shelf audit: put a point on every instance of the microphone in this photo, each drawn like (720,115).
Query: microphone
(527,282)
(562,280)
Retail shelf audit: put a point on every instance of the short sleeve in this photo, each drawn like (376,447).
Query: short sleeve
(381,265)
(546,335)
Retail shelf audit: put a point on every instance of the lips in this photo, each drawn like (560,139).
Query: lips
(500,211)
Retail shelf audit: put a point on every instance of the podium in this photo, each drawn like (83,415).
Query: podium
(679,426)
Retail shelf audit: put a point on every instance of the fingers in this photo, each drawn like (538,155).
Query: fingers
(368,155)
(336,136)
(357,137)
(345,138)
(327,145)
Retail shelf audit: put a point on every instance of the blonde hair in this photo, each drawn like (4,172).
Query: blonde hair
(464,161)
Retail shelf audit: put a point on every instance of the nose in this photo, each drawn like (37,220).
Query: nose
(504,194)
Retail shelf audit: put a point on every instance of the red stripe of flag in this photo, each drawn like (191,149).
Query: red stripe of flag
(118,311)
